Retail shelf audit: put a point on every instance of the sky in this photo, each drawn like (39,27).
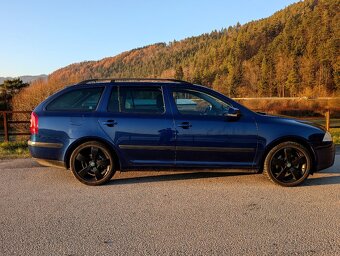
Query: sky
(41,36)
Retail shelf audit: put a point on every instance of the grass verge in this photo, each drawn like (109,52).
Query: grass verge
(14,149)
(336,135)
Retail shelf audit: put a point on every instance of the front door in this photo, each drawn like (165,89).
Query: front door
(205,137)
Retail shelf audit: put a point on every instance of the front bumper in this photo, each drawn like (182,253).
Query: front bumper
(325,156)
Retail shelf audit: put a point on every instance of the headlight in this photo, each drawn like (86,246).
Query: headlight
(327,137)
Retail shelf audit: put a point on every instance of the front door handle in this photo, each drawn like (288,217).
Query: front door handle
(109,123)
(185,125)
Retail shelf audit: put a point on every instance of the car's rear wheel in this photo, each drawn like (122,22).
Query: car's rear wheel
(287,164)
(92,163)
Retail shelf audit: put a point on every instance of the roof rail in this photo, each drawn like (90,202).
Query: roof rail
(113,80)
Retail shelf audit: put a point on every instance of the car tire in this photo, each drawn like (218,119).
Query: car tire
(287,164)
(92,163)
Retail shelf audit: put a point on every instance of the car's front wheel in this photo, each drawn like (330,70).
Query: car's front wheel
(287,164)
(92,163)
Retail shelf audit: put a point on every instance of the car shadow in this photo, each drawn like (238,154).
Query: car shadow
(311,181)
(318,181)
(174,177)
(330,170)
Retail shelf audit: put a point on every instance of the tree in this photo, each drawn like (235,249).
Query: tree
(9,88)
(264,82)
(293,80)
(14,84)
(336,74)
(179,74)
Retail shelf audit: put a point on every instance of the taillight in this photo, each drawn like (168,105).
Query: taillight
(34,123)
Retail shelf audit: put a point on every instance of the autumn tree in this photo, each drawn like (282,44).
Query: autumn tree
(179,74)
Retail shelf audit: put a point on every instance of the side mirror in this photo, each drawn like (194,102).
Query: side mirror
(233,113)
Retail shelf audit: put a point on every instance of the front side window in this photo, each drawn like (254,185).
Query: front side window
(148,100)
(190,102)
(84,99)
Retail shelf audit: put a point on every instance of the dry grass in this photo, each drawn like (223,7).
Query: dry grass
(301,107)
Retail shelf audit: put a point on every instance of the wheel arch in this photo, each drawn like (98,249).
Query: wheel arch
(78,142)
(296,139)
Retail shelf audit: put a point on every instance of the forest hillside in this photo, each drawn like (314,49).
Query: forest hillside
(294,52)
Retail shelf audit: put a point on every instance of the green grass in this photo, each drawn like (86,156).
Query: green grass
(336,135)
(13,149)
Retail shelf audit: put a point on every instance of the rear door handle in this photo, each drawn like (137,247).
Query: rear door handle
(109,123)
(185,125)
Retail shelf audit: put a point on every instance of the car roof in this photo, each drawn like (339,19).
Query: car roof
(135,82)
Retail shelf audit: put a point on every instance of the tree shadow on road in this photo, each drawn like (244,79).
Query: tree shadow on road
(174,177)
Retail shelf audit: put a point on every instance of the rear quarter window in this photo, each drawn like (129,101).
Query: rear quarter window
(83,99)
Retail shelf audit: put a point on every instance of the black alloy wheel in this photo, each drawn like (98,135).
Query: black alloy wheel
(92,163)
(287,164)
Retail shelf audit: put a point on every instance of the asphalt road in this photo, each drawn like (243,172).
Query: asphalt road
(46,211)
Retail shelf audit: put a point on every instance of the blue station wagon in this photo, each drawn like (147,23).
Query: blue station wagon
(99,126)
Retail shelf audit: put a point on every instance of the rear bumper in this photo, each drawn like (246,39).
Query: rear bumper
(47,153)
(44,144)
(50,163)
(325,156)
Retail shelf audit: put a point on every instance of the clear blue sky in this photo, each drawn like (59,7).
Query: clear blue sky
(40,36)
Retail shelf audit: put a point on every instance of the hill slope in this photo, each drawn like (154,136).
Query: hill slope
(294,52)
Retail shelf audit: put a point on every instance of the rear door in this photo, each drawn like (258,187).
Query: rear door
(140,125)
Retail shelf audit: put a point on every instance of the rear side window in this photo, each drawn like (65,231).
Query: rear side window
(84,99)
(148,100)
